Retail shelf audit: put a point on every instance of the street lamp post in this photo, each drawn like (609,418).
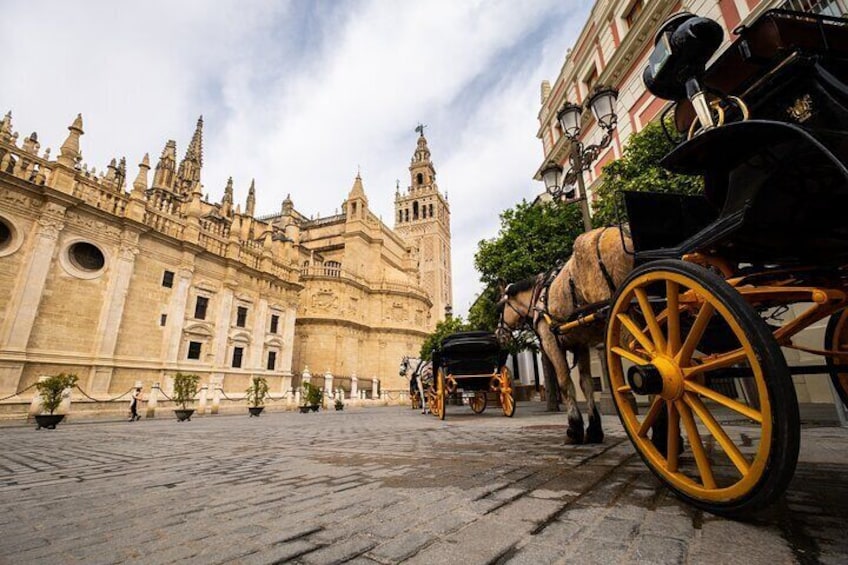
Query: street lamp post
(602,104)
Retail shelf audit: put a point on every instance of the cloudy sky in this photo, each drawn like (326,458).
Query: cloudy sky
(299,94)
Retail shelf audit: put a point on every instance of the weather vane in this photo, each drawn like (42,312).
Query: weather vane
(420,128)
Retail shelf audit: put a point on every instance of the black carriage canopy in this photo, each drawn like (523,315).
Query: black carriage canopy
(470,357)
(776,185)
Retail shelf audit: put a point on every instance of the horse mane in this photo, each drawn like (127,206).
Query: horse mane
(526,284)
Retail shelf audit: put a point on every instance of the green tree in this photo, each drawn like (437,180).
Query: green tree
(639,170)
(483,314)
(531,240)
(443,329)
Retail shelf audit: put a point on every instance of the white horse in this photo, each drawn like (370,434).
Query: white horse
(419,373)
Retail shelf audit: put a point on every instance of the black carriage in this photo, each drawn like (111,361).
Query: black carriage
(694,334)
(473,364)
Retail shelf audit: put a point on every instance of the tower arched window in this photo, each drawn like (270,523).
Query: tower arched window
(415,210)
(406,213)
(400,216)
(420,179)
(431,210)
(424,211)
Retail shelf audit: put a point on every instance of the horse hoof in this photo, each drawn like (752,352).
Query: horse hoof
(573,437)
(594,437)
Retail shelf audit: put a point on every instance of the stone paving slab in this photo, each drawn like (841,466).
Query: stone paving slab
(384,485)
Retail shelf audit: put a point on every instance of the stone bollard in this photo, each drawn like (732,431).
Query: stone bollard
(328,384)
(375,388)
(152,398)
(201,402)
(35,405)
(354,385)
(216,399)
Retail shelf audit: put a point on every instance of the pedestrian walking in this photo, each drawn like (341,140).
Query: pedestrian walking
(136,398)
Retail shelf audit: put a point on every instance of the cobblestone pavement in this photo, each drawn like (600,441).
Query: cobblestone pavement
(384,485)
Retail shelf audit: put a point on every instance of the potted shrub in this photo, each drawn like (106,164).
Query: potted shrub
(311,396)
(339,404)
(51,390)
(185,388)
(256,394)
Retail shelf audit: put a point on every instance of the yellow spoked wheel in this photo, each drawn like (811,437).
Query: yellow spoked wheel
(505,389)
(478,402)
(836,339)
(439,395)
(686,346)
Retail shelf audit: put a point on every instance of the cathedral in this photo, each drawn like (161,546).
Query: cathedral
(125,281)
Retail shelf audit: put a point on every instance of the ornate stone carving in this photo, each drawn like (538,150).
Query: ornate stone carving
(325,299)
(92,224)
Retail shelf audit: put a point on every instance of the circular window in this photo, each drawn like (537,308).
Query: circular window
(5,235)
(86,256)
(10,237)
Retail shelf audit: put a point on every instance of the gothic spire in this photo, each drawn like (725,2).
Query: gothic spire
(140,183)
(70,150)
(188,174)
(357,191)
(227,200)
(251,199)
(163,178)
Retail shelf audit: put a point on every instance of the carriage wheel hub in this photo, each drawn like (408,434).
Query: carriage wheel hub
(672,378)
(645,379)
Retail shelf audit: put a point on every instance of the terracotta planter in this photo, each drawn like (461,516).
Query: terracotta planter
(255,410)
(48,421)
(184,414)
(304,409)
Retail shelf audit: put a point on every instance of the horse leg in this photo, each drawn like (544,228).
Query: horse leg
(594,433)
(574,433)
(421,393)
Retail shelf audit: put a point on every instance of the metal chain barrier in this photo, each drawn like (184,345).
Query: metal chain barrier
(283,397)
(224,394)
(98,400)
(17,393)
(389,395)
(162,392)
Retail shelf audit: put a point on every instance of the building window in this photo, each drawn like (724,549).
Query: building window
(272,360)
(163,319)
(836,8)
(86,256)
(238,352)
(168,279)
(431,210)
(400,216)
(406,214)
(591,79)
(241,316)
(194,350)
(633,13)
(275,322)
(200,307)
(420,179)
(415,210)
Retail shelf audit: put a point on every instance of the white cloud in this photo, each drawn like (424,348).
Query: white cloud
(298,94)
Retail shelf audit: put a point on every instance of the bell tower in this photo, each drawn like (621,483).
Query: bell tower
(422,218)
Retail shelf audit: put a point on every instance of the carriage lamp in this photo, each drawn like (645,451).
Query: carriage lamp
(602,104)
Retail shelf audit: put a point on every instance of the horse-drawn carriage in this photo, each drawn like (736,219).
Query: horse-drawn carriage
(724,280)
(472,364)
(694,334)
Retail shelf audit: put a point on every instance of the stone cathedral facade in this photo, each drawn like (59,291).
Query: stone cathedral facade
(123,281)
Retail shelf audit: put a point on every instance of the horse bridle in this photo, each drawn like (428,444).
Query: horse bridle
(523,318)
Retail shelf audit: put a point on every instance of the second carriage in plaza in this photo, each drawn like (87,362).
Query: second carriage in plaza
(474,365)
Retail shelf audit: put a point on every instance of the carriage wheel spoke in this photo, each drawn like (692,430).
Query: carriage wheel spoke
(720,362)
(637,333)
(701,459)
(672,291)
(650,417)
(629,355)
(650,319)
(734,405)
(673,441)
(695,334)
(718,433)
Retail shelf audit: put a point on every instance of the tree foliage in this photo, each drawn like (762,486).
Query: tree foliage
(443,329)
(531,240)
(639,170)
